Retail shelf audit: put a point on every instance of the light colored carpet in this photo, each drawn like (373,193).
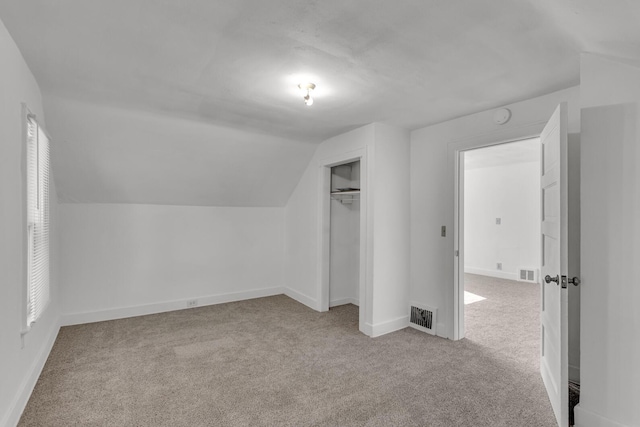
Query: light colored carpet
(507,322)
(274,362)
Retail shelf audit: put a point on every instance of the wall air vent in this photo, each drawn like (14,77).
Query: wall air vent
(528,275)
(423,318)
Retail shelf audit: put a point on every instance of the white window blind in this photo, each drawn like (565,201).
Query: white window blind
(37,220)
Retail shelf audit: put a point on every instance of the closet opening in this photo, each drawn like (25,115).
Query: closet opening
(344,240)
(345,236)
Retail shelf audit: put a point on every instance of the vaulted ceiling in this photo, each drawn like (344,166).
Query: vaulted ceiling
(219,80)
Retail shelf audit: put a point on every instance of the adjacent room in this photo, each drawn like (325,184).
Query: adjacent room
(300,213)
(501,212)
(501,190)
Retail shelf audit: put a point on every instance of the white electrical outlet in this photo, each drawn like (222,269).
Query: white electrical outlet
(192,303)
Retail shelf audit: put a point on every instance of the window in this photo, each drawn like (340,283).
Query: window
(37,219)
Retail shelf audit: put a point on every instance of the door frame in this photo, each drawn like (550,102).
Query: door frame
(324,234)
(456,158)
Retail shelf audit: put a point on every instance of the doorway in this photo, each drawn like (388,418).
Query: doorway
(500,214)
(340,193)
(559,193)
(344,243)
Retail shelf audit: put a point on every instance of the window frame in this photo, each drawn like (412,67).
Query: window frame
(36,219)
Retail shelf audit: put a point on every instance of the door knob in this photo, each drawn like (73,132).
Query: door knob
(550,279)
(575,281)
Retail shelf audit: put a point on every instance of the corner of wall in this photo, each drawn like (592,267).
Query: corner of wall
(312,303)
(26,387)
(21,357)
(386,327)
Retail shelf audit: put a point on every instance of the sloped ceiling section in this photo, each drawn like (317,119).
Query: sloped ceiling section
(114,155)
(234,65)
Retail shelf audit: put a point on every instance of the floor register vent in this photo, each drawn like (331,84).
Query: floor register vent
(423,318)
(528,275)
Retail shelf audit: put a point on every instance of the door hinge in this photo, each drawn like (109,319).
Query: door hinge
(457,252)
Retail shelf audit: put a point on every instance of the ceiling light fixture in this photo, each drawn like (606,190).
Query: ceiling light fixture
(306,89)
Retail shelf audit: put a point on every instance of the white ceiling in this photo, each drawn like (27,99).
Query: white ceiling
(235,64)
(512,153)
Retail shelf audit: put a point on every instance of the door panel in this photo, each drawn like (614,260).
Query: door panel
(554,308)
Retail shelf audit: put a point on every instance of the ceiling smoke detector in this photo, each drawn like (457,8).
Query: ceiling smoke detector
(501,116)
(306,89)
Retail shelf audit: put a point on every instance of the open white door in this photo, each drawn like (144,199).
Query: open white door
(554,305)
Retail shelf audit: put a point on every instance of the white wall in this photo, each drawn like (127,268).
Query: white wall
(345,253)
(387,225)
(573,188)
(302,219)
(19,367)
(432,189)
(391,227)
(510,192)
(610,200)
(121,260)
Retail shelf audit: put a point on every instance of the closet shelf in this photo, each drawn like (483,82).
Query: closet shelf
(333,193)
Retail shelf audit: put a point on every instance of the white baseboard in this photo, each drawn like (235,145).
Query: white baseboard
(389,326)
(161,307)
(302,299)
(492,273)
(367,329)
(586,418)
(441,331)
(343,301)
(16,408)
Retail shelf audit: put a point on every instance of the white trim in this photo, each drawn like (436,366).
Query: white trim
(492,273)
(455,150)
(27,385)
(441,330)
(458,244)
(367,329)
(24,288)
(324,237)
(161,307)
(425,330)
(586,418)
(343,301)
(387,327)
(302,299)
(365,285)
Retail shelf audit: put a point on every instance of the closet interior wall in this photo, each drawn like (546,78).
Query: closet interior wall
(345,235)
